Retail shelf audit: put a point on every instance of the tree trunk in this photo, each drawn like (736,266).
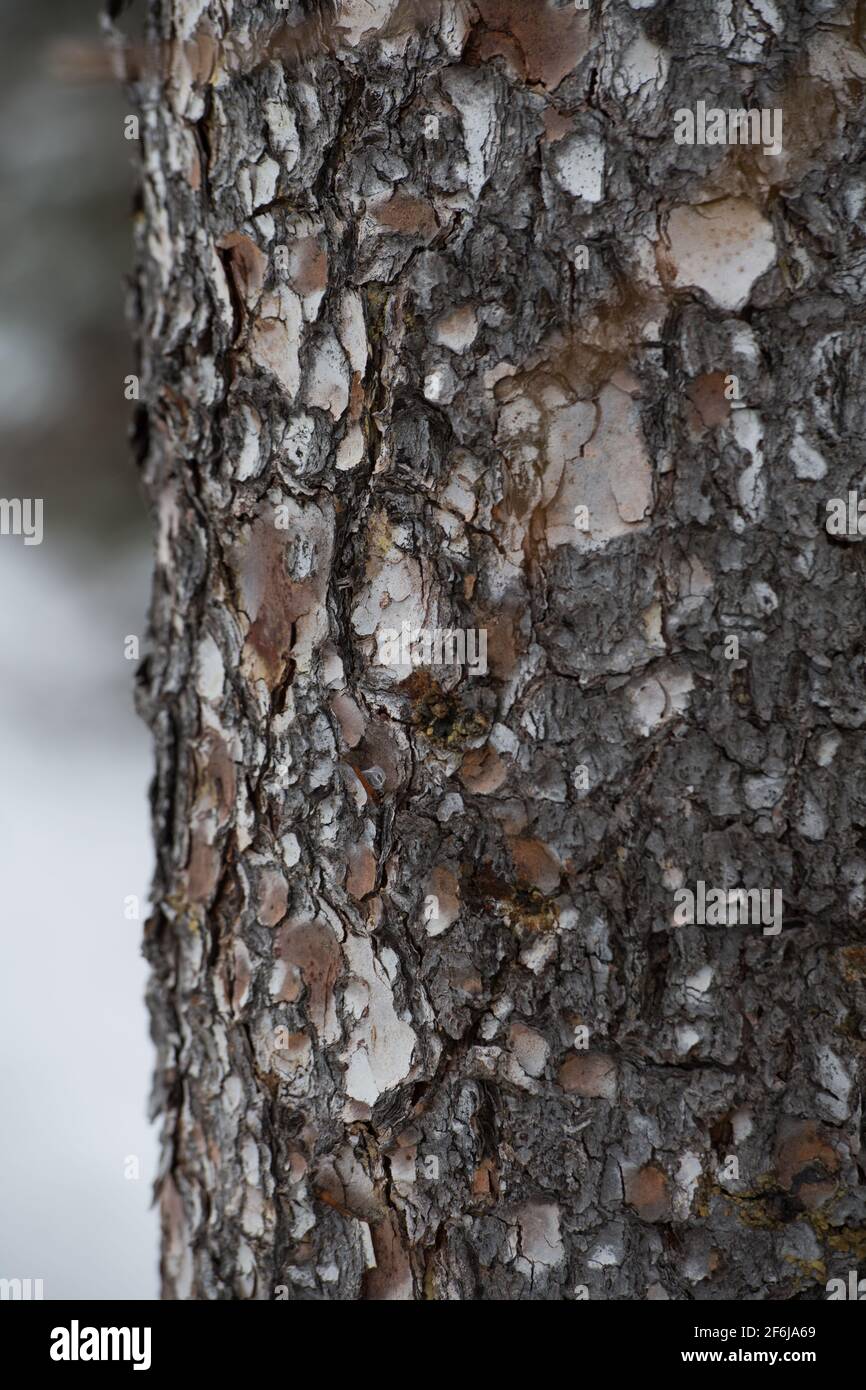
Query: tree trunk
(443,332)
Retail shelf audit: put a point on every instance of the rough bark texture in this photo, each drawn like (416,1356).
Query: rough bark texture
(427,1027)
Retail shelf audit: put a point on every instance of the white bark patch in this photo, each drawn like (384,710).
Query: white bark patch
(350,450)
(687,1038)
(456,330)
(578,166)
(763,792)
(390,598)
(659,697)
(494,374)
(700,982)
(648,701)
(459,494)
(249,459)
(530,1049)
(538,954)
(276,340)
(283,132)
(186,17)
(809,465)
(609,472)
(688,1176)
(440,385)
(748,431)
(744,342)
(168,521)
(831,1074)
(220,285)
(353,331)
(367,1245)
(210,673)
(333,672)
(519,418)
(476,104)
(723,25)
(379,1054)
(569,430)
(264,181)
(834,60)
(643,69)
(541,1247)
(291,850)
(651,619)
(722,248)
(810,819)
(358,17)
(826,748)
(441,901)
(768,11)
(699,581)
(328,382)
(604,1257)
(450,806)
(243,969)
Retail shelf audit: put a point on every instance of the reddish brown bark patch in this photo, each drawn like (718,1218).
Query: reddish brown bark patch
(484,45)
(551,40)
(483,771)
(536,864)
(247,265)
(277,602)
(647,1191)
(272,897)
(411,216)
(350,719)
(803,1151)
(308,266)
(217,779)
(709,405)
(203,871)
(589,1074)
(310,951)
(485,1180)
(361,878)
(391,1280)
(556,125)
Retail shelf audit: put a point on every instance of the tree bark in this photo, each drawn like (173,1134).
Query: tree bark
(441,327)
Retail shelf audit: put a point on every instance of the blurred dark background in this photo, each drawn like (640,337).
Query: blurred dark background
(76,1154)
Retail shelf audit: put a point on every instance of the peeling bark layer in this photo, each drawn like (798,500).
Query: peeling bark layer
(442,328)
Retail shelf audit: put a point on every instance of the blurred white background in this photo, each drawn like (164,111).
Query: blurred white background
(75,761)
